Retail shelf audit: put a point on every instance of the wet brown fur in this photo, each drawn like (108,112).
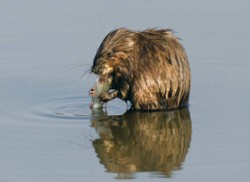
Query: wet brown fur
(149,68)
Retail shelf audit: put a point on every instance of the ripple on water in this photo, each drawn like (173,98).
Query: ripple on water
(65,109)
(68,108)
(75,108)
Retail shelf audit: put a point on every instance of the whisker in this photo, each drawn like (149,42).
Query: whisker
(77,65)
(85,67)
(85,74)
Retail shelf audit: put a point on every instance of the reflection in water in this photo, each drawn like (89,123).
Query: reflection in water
(142,141)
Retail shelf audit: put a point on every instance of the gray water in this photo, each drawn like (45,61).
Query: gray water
(47,131)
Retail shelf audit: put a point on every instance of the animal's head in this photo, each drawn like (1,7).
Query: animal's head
(114,52)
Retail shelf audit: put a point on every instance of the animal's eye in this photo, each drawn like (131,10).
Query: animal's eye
(110,53)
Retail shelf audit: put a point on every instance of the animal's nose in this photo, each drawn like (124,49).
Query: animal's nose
(94,70)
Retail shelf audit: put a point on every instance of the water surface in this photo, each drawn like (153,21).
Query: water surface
(48,132)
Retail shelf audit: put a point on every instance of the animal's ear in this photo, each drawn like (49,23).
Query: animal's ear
(119,74)
(122,74)
(117,69)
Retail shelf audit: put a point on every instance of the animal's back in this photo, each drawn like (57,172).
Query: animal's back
(163,78)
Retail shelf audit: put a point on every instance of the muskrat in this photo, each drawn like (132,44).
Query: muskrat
(148,68)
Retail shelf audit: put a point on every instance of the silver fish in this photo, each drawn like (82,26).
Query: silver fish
(102,85)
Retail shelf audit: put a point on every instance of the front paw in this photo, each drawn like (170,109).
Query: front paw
(105,97)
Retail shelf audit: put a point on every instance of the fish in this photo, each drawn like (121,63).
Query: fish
(101,85)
